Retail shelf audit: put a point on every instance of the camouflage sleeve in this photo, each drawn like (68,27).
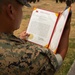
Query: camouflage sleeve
(26,59)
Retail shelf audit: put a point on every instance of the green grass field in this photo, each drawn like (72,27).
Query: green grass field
(51,5)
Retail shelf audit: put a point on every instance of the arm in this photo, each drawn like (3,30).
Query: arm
(25,58)
(63,45)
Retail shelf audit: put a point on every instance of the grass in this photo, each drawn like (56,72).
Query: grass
(53,6)
(26,17)
(70,57)
(72,43)
(73,24)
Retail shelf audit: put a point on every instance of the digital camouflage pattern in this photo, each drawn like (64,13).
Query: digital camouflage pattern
(18,57)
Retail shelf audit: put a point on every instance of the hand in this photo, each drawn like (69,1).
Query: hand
(24,35)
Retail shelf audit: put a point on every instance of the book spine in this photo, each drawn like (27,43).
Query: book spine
(54,29)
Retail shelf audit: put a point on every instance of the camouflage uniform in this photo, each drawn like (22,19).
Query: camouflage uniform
(18,57)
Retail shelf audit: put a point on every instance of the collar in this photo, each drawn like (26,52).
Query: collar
(11,37)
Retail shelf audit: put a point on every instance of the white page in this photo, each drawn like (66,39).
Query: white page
(41,26)
(59,29)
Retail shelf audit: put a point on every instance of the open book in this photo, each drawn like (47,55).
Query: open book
(46,28)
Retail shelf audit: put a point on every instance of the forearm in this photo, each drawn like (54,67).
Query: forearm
(63,45)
